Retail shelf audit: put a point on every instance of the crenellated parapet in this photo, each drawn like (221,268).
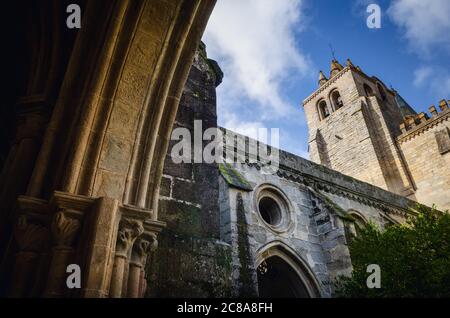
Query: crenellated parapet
(414,125)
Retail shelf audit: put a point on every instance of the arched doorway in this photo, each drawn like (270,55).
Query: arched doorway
(277,279)
(281,274)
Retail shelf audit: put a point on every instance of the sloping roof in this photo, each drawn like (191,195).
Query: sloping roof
(404,107)
(234,178)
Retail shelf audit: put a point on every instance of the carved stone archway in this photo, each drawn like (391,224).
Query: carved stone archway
(90,197)
(292,273)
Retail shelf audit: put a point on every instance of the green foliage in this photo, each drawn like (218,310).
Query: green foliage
(414,258)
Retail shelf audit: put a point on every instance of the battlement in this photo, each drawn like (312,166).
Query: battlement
(415,124)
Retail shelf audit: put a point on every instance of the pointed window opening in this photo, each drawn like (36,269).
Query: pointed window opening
(382,91)
(337,100)
(323,110)
(368,90)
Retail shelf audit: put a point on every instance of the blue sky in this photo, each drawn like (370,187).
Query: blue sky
(272,50)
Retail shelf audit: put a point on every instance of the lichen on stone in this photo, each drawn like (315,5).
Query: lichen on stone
(234,178)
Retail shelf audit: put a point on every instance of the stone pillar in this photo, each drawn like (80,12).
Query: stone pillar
(143,245)
(128,232)
(14,175)
(64,230)
(100,249)
(30,238)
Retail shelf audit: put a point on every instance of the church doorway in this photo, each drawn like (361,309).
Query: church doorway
(277,279)
(282,274)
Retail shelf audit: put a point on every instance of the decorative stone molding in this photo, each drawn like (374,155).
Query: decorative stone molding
(129,230)
(30,237)
(144,245)
(64,229)
(70,211)
(135,238)
(333,188)
(136,284)
(31,232)
(73,204)
(308,174)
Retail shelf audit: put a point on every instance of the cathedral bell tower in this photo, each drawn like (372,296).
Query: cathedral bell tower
(353,122)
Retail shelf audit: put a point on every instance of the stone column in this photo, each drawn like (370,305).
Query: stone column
(129,230)
(14,175)
(64,230)
(30,238)
(143,245)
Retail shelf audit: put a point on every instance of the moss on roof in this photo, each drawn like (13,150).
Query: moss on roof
(234,178)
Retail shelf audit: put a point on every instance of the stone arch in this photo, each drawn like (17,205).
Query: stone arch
(359,221)
(368,90)
(335,99)
(382,91)
(322,109)
(358,215)
(129,57)
(299,271)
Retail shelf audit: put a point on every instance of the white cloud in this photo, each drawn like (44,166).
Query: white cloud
(421,75)
(426,23)
(434,78)
(254,43)
(243,127)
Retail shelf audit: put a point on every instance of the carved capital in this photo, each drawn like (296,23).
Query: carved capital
(64,229)
(143,245)
(30,237)
(128,232)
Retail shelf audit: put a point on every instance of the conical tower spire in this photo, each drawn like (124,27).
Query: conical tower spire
(335,67)
(349,63)
(322,78)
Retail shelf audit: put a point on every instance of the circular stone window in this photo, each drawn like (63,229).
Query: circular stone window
(273,209)
(270,211)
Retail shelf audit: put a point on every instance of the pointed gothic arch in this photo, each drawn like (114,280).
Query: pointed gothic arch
(382,91)
(360,221)
(282,272)
(336,99)
(323,109)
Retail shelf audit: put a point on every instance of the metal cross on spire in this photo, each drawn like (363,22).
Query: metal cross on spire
(332,52)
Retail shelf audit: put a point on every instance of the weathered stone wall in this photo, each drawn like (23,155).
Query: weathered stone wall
(429,164)
(320,204)
(216,236)
(191,261)
(303,237)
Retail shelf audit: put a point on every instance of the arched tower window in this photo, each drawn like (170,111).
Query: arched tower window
(336,100)
(323,109)
(382,92)
(368,90)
